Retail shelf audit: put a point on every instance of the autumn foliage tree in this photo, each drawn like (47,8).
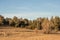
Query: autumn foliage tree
(1,20)
(44,24)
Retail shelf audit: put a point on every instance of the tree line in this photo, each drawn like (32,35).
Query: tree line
(44,24)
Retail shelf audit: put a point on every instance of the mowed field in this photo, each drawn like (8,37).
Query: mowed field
(10,33)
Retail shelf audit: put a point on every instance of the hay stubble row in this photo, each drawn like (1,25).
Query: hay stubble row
(25,34)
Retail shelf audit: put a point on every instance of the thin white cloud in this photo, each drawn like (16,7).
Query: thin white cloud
(32,15)
(26,8)
(22,8)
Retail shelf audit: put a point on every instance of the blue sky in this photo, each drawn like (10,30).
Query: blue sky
(30,9)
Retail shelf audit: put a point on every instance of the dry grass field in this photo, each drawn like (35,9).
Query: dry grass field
(25,34)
